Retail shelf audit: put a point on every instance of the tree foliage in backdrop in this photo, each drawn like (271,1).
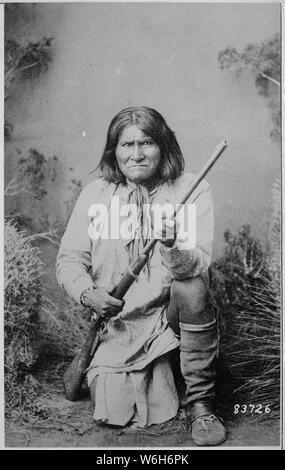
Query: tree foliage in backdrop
(24,63)
(263,61)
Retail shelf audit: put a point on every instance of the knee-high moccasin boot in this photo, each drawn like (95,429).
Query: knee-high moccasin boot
(198,353)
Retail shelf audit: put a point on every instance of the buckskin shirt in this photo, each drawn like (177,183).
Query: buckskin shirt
(134,381)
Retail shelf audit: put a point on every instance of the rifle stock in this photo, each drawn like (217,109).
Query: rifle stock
(74,375)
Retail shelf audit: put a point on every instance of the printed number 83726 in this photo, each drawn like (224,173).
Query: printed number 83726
(251,409)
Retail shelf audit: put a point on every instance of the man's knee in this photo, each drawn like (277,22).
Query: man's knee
(191,293)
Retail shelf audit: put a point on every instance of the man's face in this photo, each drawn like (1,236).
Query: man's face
(137,154)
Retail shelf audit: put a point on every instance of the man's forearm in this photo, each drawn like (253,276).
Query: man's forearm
(185,263)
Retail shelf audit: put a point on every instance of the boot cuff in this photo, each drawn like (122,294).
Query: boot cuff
(197,409)
(204,327)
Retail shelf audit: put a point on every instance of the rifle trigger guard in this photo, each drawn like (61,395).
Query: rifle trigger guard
(103,328)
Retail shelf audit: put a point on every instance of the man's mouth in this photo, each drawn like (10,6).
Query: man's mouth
(138,166)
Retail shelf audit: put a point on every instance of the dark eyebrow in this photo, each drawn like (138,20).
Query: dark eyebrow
(126,141)
(130,141)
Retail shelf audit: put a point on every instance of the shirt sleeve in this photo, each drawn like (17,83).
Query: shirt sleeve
(74,256)
(183,263)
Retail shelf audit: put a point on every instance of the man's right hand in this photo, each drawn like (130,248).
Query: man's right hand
(103,303)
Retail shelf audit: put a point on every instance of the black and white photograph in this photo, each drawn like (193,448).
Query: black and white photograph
(142,273)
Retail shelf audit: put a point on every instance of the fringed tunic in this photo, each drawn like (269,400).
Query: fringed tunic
(131,369)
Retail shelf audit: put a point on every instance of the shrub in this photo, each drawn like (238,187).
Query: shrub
(34,326)
(31,196)
(62,330)
(239,269)
(254,349)
(22,272)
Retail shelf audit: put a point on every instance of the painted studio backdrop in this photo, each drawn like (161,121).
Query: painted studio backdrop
(212,70)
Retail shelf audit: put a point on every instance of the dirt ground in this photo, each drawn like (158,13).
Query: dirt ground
(70,425)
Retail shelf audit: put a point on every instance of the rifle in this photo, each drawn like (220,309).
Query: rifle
(74,375)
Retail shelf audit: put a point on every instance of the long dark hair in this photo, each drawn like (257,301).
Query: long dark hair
(152,124)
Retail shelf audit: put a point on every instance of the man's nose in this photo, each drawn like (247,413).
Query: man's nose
(137,152)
